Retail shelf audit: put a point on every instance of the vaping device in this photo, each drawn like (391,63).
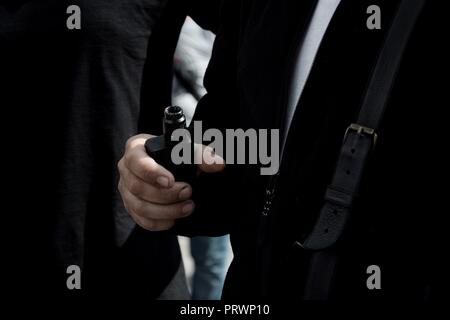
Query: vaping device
(160,148)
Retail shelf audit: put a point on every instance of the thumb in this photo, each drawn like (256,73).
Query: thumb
(210,162)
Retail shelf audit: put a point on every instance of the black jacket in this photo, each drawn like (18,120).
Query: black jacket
(396,223)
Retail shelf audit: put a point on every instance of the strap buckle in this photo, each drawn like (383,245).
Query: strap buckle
(362,130)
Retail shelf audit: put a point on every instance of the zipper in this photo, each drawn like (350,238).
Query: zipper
(263,238)
(270,194)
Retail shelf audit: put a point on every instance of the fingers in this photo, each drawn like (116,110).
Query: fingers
(140,164)
(148,192)
(141,209)
(154,226)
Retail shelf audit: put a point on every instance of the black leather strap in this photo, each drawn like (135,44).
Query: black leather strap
(361,138)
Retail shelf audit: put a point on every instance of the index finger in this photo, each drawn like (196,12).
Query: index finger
(142,165)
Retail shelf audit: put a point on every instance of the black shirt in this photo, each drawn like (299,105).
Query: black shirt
(69,101)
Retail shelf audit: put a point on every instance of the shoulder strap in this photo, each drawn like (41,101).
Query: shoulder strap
(361,137)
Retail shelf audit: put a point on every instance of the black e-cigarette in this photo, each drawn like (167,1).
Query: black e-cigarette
(160,148)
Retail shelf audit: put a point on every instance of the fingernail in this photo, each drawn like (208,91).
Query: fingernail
(188,208)
(163,182)
(185,194)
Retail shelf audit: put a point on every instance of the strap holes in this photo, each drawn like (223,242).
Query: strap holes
(348,172)
(325,231)
(353,151)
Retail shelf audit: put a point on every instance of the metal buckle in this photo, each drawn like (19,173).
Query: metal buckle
(359,129)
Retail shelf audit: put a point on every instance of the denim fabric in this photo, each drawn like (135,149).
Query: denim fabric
(211,257)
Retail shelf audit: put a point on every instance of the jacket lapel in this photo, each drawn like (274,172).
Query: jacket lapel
(272,32)
(336,85)
(329,103)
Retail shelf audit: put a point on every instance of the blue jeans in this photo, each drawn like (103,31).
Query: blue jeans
(211,257)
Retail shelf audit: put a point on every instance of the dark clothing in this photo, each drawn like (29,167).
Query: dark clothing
(161,50)
(72,98)
(396,223)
